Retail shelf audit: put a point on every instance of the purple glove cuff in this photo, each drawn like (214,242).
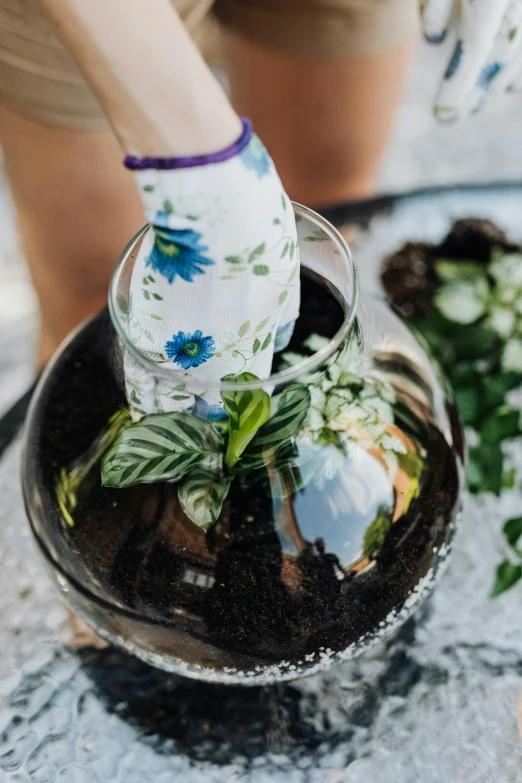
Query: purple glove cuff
(139,164)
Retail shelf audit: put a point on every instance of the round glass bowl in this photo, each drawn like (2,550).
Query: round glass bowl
(323,546)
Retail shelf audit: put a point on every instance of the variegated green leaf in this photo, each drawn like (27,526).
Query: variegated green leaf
(247,410)
(288,413)
(161,446)
(201,495)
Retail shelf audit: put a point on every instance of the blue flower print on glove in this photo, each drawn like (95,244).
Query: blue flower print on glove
(255,157)
(190,350)
(177,251)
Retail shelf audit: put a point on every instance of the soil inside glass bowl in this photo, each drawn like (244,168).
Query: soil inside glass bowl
(244,594)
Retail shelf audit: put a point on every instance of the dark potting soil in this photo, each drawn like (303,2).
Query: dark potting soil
(246,591)
(409,276)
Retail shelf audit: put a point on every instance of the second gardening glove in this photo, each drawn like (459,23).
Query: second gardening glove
(487,54)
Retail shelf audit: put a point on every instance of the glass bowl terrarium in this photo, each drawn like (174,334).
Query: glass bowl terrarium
(257,559)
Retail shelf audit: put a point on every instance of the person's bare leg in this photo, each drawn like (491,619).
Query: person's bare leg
(77,208)
(325,123)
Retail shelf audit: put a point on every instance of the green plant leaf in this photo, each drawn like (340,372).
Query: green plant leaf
(156,317)
(503,423)
(161,446)
(487,461)
(282,296)
(473,342)
(475,475)
(256,346)
(495,388)
(247,411)
(243,329)
(513,531)
(261,270)
(285,250)
(201,494)
(509,479)
(468,403)
(258,251)
(233,259)
(288,413)
(167,206)
(156,296)
(463,301)
(148,188)
(508,574)
(449,270)
(146,295)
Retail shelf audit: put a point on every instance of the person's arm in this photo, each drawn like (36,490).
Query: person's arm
(154,86)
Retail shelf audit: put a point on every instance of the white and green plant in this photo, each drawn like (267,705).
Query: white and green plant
(351,402)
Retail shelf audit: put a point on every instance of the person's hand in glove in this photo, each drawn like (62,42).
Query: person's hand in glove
(487,55)
(215,287)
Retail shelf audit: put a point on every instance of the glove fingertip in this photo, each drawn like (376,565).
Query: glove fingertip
(435,37)
(445,115)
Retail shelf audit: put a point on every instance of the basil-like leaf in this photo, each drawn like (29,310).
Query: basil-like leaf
(289,411)
(513,532)
(161,446)
(508,574)
(201,495)
(504,422)
(247,411)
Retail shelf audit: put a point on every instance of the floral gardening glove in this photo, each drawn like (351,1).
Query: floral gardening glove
(487,54)
(215,288)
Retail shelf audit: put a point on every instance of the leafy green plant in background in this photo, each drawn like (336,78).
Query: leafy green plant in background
(508,572)
(474,329)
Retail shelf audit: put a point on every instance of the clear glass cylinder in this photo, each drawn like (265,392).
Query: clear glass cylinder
(329,528)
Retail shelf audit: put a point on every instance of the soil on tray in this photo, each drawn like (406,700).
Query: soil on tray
(409,276)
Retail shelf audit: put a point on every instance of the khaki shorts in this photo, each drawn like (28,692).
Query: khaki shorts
(39,78)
